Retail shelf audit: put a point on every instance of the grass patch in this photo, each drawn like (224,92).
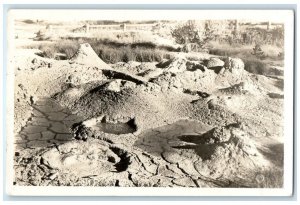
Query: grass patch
(252,63)
(255,66)
(50,49)
(125,54)
(109,51)
(260,67)
(271,52)
(95,42)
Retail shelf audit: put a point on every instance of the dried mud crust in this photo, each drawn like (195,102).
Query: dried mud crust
(186,153)
(48,125)
(181,124)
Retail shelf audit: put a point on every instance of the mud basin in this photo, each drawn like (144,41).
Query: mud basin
(117,128)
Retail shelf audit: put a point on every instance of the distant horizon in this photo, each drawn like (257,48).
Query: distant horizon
(147,15)
(130,21)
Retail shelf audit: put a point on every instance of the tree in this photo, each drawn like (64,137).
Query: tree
(189,33)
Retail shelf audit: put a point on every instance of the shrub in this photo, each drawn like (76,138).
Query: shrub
(258,52)
(189,34)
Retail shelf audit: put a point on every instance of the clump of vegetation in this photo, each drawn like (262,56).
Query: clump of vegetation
(258,52)
(252,35)
(189,35)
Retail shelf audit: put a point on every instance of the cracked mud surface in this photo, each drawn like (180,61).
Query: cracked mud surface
(48,125)
(182,127)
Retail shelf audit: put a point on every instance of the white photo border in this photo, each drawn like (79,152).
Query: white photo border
(113,191)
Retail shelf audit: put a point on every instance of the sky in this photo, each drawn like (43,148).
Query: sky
(122,15)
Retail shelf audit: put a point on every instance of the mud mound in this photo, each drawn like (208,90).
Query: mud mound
(181,74)
(223,151)
(180,64)
(194,75)
(226,78)
(234,65)
(214,63)
(193,80)
(120,99)
(82,159)
(87,56)
(76,163)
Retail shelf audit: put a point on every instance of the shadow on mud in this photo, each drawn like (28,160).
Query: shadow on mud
(274,153)
(49,125)
(172,137)
(275,95)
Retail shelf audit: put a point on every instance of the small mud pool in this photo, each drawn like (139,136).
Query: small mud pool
(117,128)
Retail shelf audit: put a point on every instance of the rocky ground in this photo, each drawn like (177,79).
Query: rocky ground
(206,123)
